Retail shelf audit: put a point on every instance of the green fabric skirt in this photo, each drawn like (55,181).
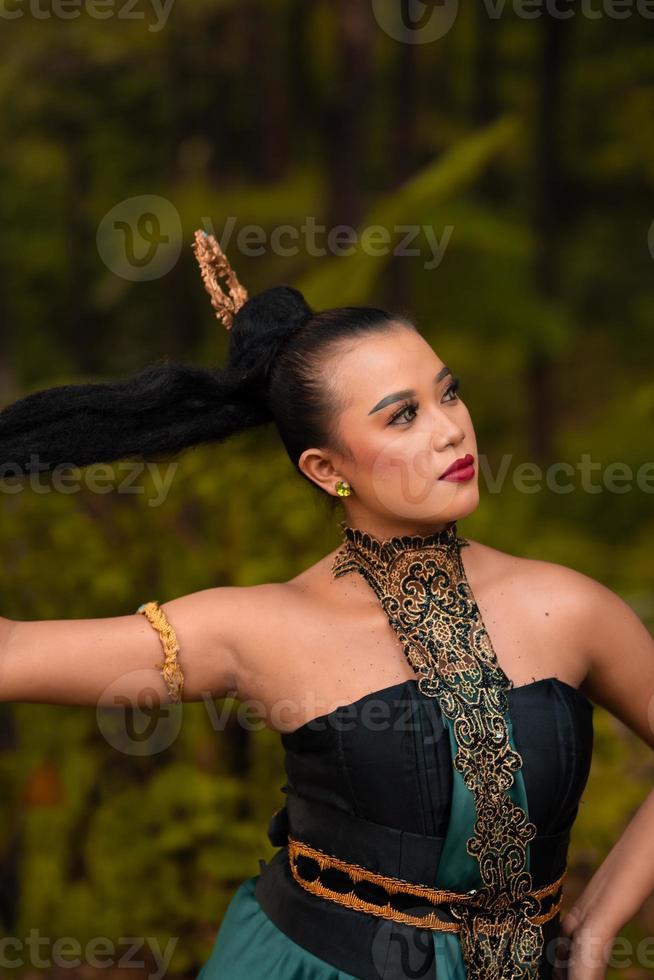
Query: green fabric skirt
(251,947)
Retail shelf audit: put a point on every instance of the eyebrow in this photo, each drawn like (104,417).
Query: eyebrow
(397,395)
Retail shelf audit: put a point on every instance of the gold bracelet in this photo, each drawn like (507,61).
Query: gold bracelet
(172,672)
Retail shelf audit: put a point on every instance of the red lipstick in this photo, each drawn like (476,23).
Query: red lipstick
(461,469)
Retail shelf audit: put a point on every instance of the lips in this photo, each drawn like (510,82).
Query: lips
(458,464)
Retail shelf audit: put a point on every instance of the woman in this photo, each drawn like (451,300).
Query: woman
(434,766)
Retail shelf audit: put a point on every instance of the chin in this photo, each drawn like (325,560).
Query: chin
(464,504)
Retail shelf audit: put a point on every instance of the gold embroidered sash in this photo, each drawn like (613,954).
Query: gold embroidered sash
(391,887)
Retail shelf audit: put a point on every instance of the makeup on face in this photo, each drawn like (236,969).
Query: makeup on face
(462,469)
(406,393)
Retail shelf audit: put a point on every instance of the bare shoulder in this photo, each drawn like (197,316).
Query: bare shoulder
(600,626)
(258,609)
(261,614)
(536,585)
(533,610)
(536,582)
(541,613)
(316,575)
(546,588)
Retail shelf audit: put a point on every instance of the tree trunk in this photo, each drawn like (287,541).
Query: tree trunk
(404,98)
(486,104)
(547,220)
(269,107)
(484,67)
(344,117)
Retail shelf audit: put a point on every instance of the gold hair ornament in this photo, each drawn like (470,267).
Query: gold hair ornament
(214,264)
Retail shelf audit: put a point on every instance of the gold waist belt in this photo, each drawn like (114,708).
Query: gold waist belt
(475,899)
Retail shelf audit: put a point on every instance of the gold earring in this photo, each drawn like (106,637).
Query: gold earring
(343,489)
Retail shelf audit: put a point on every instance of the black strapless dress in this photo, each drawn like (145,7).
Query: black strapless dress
(453,780)
(383,763)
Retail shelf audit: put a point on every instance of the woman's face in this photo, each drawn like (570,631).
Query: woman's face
(401,426)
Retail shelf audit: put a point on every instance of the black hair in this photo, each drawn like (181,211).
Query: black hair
(277,345)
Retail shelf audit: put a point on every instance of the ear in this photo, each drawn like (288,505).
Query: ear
(318,466)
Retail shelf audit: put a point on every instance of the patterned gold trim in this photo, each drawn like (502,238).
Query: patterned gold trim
(395,886)
(170,669)
(421,583)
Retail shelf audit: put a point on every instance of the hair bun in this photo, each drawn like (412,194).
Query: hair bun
(260,327)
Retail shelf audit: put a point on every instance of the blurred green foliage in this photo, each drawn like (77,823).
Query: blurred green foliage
(270,112)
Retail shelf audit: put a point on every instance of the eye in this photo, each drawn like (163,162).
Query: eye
(413,407)
(407,406)
(454,387)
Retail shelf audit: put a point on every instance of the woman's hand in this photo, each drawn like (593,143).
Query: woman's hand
(584,947)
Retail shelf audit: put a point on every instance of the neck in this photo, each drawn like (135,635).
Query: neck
(361,549)
(382,530)
(402,539)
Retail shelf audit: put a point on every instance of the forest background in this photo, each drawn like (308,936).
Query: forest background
(504,153)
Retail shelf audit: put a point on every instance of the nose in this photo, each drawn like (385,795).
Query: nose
(447,433)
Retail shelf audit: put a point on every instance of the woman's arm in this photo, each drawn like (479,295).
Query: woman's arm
(620,651)
(92,661)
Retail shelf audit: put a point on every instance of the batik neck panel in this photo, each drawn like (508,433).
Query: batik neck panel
(421,584)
